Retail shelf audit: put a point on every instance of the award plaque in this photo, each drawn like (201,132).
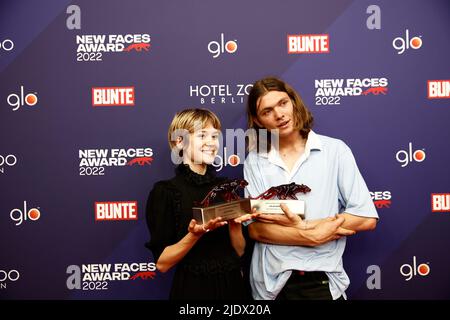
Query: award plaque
(273,206)
(233,206)
(285,194)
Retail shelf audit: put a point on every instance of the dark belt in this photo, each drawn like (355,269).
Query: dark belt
(306,285)
(309,276)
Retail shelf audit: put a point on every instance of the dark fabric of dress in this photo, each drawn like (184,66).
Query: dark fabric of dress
(212,269)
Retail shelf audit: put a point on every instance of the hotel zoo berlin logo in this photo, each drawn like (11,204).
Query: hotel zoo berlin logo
(93,162)
(8,275)
(224,93)
(98,276)
(8,160)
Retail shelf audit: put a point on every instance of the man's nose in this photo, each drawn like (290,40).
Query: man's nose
(277,113)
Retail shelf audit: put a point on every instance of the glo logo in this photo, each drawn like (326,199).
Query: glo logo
(217,48)
(226,160)
(405,157)
(6,45)
(407,270)
(19,216)
(16,101)
(402,44)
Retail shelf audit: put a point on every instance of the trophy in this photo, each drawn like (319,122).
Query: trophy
(233,206)
(285,194)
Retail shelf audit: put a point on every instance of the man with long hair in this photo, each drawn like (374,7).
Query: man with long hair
(296,258)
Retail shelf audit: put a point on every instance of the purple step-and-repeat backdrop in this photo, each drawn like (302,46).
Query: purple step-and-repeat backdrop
(88,90)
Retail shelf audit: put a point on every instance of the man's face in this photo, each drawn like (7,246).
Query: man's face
(276,111)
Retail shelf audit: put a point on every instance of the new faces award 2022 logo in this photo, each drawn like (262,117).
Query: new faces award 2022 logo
(93,162)
(331,91)
(381,199)
(98,276)
(93,47)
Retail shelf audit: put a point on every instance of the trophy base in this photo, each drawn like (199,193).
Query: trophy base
(227,210)
(273,206)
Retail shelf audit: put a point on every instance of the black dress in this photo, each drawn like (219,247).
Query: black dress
(212,268)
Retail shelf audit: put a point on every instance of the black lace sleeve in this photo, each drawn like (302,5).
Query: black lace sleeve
(160,218)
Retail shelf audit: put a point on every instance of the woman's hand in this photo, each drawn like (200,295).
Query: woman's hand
(200,229)
(235,229)
(246,217)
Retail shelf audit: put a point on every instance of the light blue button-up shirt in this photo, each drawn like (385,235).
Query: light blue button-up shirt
(328,167)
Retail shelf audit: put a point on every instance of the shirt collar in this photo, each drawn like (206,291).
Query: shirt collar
(312,143)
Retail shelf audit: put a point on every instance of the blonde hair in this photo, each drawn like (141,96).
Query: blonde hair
(189,120)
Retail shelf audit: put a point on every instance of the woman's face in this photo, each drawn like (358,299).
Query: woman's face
(202,147)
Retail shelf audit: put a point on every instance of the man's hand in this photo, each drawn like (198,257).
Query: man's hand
(317,232)
(288,219)
(329,229)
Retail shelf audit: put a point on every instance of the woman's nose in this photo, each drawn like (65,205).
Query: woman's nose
(210,141)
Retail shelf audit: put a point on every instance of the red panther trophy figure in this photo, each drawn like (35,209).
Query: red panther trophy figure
(286,193)
(233,206)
